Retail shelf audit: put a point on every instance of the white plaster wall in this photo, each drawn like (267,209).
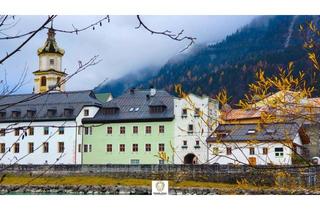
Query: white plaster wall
(44,61)
(38,157)
(240,154)
(71,139)
(201,130)
(79,136)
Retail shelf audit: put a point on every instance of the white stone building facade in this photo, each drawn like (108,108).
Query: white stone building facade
(195,118)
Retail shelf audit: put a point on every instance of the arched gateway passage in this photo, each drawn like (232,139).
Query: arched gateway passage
(190,159)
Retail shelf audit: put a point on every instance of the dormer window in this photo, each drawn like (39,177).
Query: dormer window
(68,112)
(221,134)
(270,131)
(110,110)
(31,113)
(2,114)
(51,61)
(16,114)
(157,109)
(51,112)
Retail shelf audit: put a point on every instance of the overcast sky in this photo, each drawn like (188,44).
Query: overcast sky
(121,47)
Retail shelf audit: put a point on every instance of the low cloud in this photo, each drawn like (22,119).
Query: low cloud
(122,48)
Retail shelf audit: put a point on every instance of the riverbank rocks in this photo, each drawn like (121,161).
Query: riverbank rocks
(137,190)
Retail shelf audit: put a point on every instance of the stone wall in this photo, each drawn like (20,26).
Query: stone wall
(259,175)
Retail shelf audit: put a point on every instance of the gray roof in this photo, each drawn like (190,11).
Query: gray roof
(58,101)
(266,132)
(135,107)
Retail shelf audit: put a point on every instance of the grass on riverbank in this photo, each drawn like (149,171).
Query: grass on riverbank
(108,181)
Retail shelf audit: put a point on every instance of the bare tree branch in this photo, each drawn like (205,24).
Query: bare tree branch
(177,37)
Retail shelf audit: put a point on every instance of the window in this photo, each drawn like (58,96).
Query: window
(122,130)
(16,131)
(86,112)
(109,130)
(122,148)
(134,147)
(196,112)
(31,113)
(16,114)
(61,130)
(135,161)
(30,147)
(215,151)
(43,81)
(2,148)
(110,110)
(31,131)
(278,151)
(184,113)
(60,147)
(265,150)
(51,61)
(197,144)
(185,143)
(45,147)
(161,128)
(2,114)
(251,149)
(68,112)
(229,150)
(161,147)
(79,148)
(85,148)
(79,130)
(51,112)
(109,147)
(46,130)
(2,132)
(148,129)
(90,148)
(135,129)
(190,128)
(87,130)
(16,147)
(148,147)
(157,109)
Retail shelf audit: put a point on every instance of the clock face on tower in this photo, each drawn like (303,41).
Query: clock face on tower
(49,76)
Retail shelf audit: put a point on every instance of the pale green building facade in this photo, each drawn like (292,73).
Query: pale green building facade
(124,149)
(134,128)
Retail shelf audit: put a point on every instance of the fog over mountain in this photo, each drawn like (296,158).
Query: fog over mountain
(122,48)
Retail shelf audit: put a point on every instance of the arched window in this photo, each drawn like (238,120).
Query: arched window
(43,81)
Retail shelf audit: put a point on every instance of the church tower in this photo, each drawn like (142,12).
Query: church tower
(49,76)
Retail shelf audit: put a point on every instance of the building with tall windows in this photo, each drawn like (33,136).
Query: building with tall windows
(134,128)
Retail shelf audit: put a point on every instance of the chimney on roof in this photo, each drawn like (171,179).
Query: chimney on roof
(148,97)
(153,91)
(132,90)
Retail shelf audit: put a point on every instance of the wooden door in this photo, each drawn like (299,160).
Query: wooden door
(252,161)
